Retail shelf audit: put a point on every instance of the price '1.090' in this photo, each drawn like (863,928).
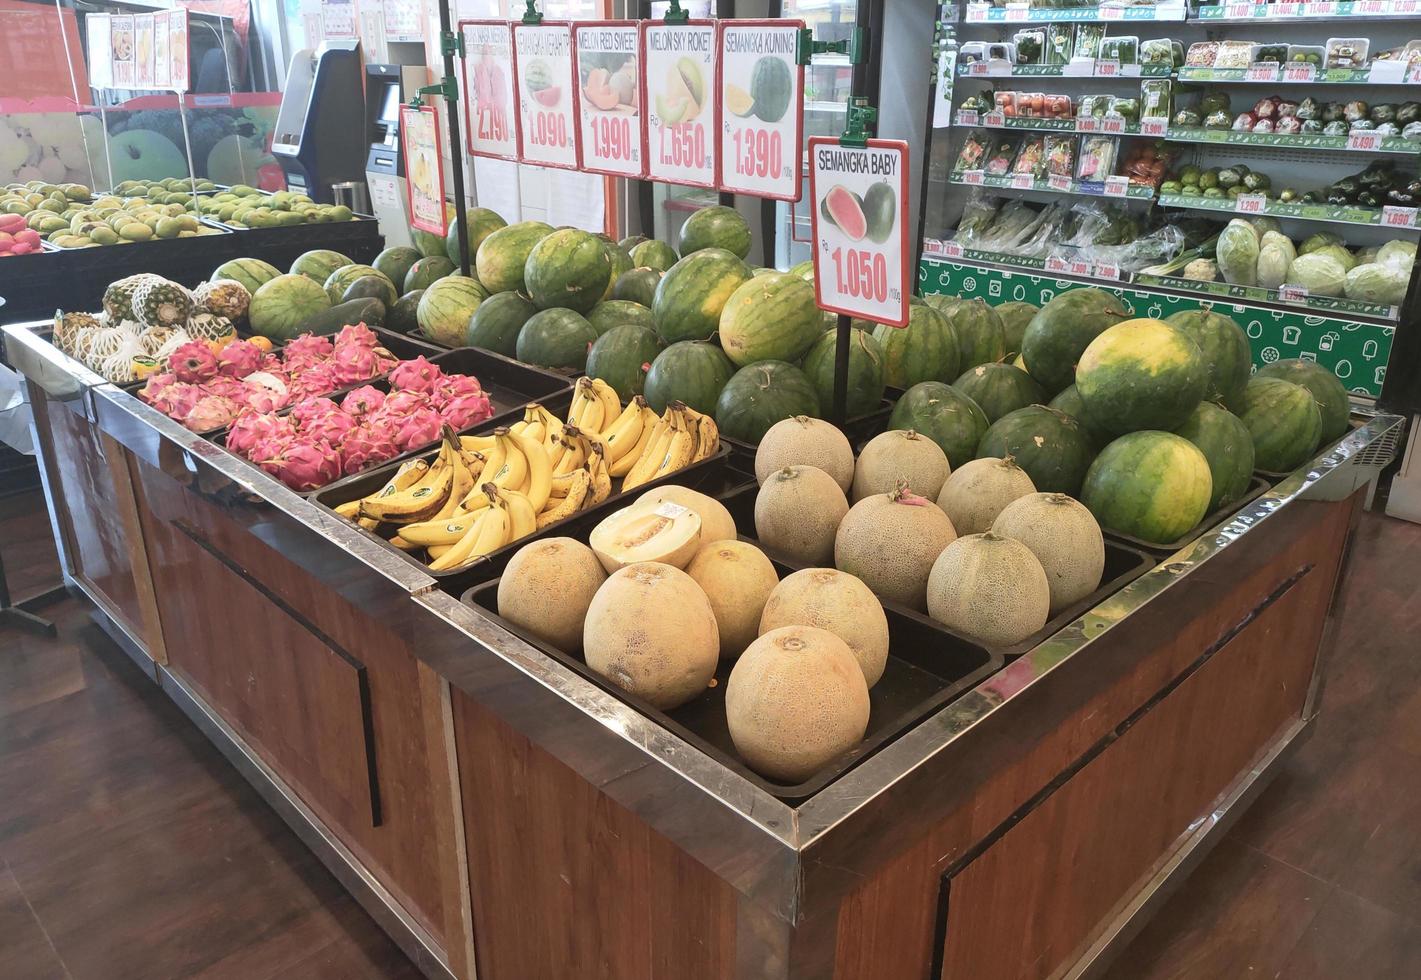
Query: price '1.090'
(548,129)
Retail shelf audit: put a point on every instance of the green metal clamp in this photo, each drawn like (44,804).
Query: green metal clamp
(531,15)
(855,46)
(859,117)
(676,15)
(448,88)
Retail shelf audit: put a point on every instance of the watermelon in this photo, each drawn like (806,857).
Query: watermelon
(761,394)
(843,209)
(805,270)
(395,262)
(496,323)
(426,272)
(621,265)
(1326,390)
(632,241)
(691,371)
(568,269)
(370,287)
(654,254)
(1048,444)
(556,338)
(770,318)
(615,312)
(771,88)
(1058,335)
(999,389)
(979,332)
(1069,401)
(716,227)
(1284,421)
(1228,358)
(943,414)
(281,306)
(1225,442)
(622,356)
(338,281)
(429,244)
(1015,316)
(319,263)
(637,285)
(691,295)
(252,273)
(925,350)
(1151,485)
(481,222)
(402,317)
(865,382)
(504,253)
(447,306)
(1141,374)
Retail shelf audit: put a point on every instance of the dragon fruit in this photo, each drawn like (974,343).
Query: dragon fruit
(156,383)
(352,363)
(304,465)
(419,428)
(239,359)
(356,335)
(416,375)
(308,346)
(211,412)
(399,404)
(361,401)
(177,399)
(260,398)
(368,444)
(227,388)
(453,385)
(316,379)
(251,427)
(193,362)
(384,361)
(331,427)
(309,409)
(462,411)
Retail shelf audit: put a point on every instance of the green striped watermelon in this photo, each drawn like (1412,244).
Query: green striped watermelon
(761,394)
(1058,335)
(252,273)
(281,306)
(769,318)
(396,262)
(622,357)
(1225,442)
(1069,401)
(621,265)
(865,381)
(655,255)
(446,308)
(428,243)
(716,227)
(1151,485)
(1141,374)
(1284,421)
(504,253)
(481,222)
(692,371)
(637,285)
(690,297)
(1015,316)
(569,269)
(339,281)
(925,350)
(1326,390)
(1049,445)
(426,272)
(632,241)
(615,312)
(318,264)
(497,322)
(805,270)
(556,338)
(979,332)
(1228,358)
(999,389)
(943,414)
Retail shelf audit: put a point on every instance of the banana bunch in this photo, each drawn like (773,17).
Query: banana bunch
(640,445)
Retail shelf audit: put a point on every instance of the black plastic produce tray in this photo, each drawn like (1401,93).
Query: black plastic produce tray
(1257,487)
(926,669)
(359,239)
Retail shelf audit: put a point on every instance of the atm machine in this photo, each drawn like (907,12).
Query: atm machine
(385,161)
(320,127)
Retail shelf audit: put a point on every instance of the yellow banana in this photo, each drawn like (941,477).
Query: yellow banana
(534,431)
(480,444)
(540,470)
(561,484)
(369,523)
(492,522)
(679,453)
(707,438)
(439,532)
(405,477)
(418,502)
(514,472)
(624,433)
(552,427)
(623,464)
(611,404)
(494,458)
(350,510)
(574,454)
(651,457)
(570,504)
(601,478)
(522,518)
(402,544)
(437,550)
(462,484)
(586,410)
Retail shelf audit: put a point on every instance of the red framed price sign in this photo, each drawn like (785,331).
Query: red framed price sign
(178,63)
(546,104)
(761,107)
(860,220)
(604,62)
(679,138)
(490,111)
(424,169)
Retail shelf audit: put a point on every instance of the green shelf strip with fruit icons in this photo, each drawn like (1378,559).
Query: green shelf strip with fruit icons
(1087,188)
(1328,76)
(1042,124)
(970,70)
(981,13)
(1229,291)
(1356,352)
(1336,213)
(1327,9)
(1191,134)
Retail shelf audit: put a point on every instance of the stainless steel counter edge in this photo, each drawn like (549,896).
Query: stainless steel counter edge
(61,376)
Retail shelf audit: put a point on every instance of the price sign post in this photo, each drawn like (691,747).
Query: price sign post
(679,141)
(419,136)
(490,113)
(547,117)
(761,105)
(608,97)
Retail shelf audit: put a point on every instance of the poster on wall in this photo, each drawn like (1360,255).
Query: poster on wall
(859,213)
(419,136)
(143,50)
(162,64)
(608,93)
(543,81)
(98,33)
(178,66)
(490,118)
(402,20)
(122,48)
(761,106)
(337,19)
(680,140)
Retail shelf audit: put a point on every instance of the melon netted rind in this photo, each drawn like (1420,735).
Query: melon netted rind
(890,541)
(838,602)
(978,491)
(737,578)
(989,588)
(1064,536)
(805,441)
(900,456)
(547,588)
(797,511)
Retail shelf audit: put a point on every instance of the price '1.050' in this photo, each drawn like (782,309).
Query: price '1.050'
(861,274)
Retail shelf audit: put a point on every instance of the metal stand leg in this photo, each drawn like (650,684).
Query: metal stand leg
(22,613)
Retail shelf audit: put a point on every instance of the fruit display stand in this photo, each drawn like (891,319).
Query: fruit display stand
(503,814)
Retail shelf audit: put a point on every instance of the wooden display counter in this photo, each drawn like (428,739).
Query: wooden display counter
(504,818)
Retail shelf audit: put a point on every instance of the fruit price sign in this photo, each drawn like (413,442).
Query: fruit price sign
(605,61)
(761,107)
(547,117)
(490,119)
(121,38)
(178,49)
(678,79)
(419,135)
(98,31)
(860,217)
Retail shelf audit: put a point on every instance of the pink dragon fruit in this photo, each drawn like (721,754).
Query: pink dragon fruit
(263,399)
(211,412)
(416,375)
(193,362)
(227,388)
(384,361)
(417,429)
(330,427)
(362,401)
(272,364)
(251,427)
(453,385)
(353,363)
(177,399)
(462,411)
(308,346)
(156,383)
(366,445)
(399,404)
(311,408)
(239,359)
(356,335)
(305,465)
(317,379)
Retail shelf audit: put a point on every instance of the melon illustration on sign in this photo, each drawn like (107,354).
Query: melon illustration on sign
(538,78)
(684,95)
(610,89)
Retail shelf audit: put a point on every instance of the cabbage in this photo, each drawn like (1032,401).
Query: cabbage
(1273,262)
(1344,258)
(1263,225)
(1281,240)
(1378,282)
(1319,240)
(1368,254)
(1397,253)
(1237,254)
(1320,275)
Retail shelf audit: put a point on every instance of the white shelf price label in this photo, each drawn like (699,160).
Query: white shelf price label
(1117,186)
(1017,14)
(1366,141)
(1413,74)
(1154,127)
(1107,69)
(1023,182)
(547,120)
(1292,294)
(1087,124)
(1406,7)
(1107,270)
(1054,263)
(1251,203)
(681,141)
(1114,125)
(953,250)
(1262,71)
(968,117)
(610,118)
(1299,73)
(1369,7)
(1287,8)
(979,68)
(1058,182)
(1238,11)
(1112,13)
(760,150)
(976,12)
(490,110)
(1322,8)
(994,118)
(974,178)
(861,256)
(1398,217)
(1078,267)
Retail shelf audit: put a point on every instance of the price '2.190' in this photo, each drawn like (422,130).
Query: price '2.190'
(493,123)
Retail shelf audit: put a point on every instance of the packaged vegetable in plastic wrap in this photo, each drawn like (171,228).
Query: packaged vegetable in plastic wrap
(974,152)
(1158,246)
(1237,253)
(1275,257)
(1320,275)
(978,214)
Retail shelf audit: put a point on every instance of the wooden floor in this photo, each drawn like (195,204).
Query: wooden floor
(130,849)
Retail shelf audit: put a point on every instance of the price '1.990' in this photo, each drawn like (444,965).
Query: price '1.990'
(612,137)
(758,153)
(861,274)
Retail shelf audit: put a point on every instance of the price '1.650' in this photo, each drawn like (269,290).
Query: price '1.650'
(683,145)
(758,153)
(861,274)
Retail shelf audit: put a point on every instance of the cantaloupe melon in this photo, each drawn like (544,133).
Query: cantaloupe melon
(900,455)
(890,540)
(651,631)
(1064,536)
(989,588)
(803,441)
(797,512)
(795,700)
(716,522)
(737,578)
(668,532)
(838,602)
(976,492)
(547,588)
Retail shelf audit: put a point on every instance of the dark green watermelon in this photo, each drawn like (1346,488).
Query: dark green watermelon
(865,381)
(692,294)
(1015,316)
(426,272)
(622,357)
(621,264)
(637,285)
(716,227)
(1049,445)
(1151,485)
(979,332)
(761,394)
(943,414)
(653,254)
(370,287)
(1069,401)
(1284,420)
(999,389)
(1326,390)
(632,241)
(925,350)
(1225,442)
(1228,358)
(556,338)
(401,316)
(615,312)
(396,262)
(568,269)
(693,371)
(1141,374)
(1058,335)
(497,322)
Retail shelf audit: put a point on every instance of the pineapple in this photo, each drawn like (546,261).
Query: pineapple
(225,297)
(68,326)
(160,303)
(118,298)
(209,326)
